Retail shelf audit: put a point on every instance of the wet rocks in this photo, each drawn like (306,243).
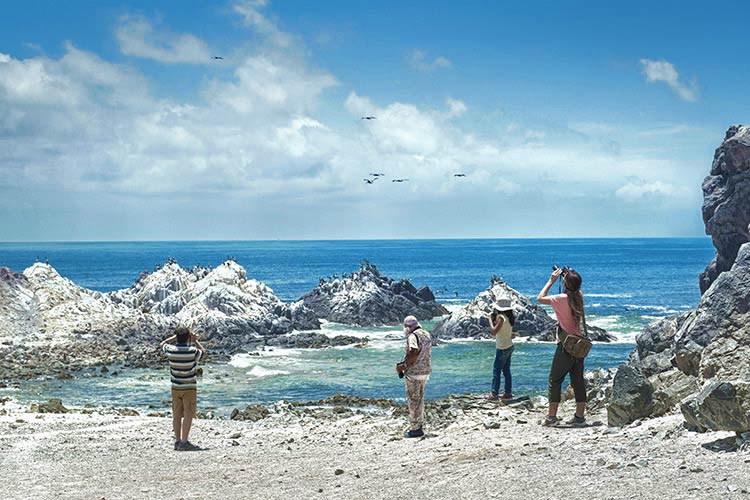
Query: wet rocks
(51,406)
(313,340)
(367,298)
(531,319)
(251,413)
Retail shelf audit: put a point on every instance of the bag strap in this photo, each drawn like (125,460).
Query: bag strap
(419,344)
(583,319)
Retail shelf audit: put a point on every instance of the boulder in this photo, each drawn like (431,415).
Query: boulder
(251,413)
(51,406)
(531,319)
(719,406)
(632,396)
(367,298)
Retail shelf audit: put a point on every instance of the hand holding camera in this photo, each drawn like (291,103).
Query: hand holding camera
(401,369)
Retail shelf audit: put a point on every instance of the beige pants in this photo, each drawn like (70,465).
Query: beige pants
(415,399)
(184,403)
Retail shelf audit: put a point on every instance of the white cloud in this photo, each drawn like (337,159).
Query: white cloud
(664,71)
(250,11)
(268,131)
(418,61)
(138,38)
(456,107)
(637,190)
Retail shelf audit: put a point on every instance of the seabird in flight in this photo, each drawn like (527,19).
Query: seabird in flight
(376,175)
(399,180)
(369,181)
(459,175)
(369,118)
(218,58)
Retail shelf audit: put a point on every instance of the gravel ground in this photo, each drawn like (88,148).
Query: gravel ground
(487,452)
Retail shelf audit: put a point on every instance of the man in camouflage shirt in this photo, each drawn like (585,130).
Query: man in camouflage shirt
(416,369)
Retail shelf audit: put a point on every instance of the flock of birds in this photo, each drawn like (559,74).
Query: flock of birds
(373,176)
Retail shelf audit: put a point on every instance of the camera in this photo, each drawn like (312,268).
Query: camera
(565,270)
(402,373)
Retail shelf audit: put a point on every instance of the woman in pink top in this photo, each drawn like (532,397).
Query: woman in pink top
(568,308)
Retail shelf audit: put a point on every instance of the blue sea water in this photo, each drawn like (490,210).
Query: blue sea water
(627,283)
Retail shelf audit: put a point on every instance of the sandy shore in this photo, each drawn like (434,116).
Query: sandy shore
(482,451)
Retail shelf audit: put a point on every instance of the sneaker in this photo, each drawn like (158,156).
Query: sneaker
(492,396)
(416,433)
(187,446)
(550,421)
(176,444)
(507,395)
(576,420)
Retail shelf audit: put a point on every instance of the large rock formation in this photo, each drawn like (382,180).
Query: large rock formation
(531,319)
(699,360)
(49,325)
(726,202)
(222,304)
(367,298)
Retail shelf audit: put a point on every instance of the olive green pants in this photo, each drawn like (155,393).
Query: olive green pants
(562,364)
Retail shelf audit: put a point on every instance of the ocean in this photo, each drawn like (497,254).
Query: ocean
(627,284)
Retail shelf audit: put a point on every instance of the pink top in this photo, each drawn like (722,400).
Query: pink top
(564,314)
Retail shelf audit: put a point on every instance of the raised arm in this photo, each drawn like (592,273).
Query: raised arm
(542,297)
(170,340)
(495,327)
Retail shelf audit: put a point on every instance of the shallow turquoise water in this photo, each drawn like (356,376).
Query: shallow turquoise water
(627,283)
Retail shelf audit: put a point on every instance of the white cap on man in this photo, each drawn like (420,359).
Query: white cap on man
(411,322)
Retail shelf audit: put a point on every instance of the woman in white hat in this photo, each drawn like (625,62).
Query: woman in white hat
(502,320)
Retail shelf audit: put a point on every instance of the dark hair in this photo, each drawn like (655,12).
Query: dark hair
(508,314)
(183,334)
(572,286)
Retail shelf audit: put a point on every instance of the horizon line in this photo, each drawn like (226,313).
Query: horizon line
(300,240)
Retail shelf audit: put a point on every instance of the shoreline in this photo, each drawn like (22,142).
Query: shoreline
(473,449)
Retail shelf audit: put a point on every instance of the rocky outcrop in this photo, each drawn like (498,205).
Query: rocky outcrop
(367,298)
(726,202)
(531,320)
(698,361)
(222,304)
(50,326)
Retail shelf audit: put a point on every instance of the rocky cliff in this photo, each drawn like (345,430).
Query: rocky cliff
(50,325)
(367,298)
(698,361)
(726,202)
(531,320)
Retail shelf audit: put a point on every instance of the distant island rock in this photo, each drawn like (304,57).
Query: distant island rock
(367,298)
(532,320)
(698,361)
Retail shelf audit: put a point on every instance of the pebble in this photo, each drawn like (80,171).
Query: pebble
(236,435)
(338,472)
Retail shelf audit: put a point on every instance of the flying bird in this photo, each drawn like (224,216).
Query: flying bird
(399,180)
(369,118)
(218,58)
(459,175)
(377,175)
(369,181)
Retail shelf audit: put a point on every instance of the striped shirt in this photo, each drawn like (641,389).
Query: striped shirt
(183,364)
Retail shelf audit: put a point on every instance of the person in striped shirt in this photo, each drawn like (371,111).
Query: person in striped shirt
(183,352)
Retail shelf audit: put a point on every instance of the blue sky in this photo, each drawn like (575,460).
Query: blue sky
(570,119)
